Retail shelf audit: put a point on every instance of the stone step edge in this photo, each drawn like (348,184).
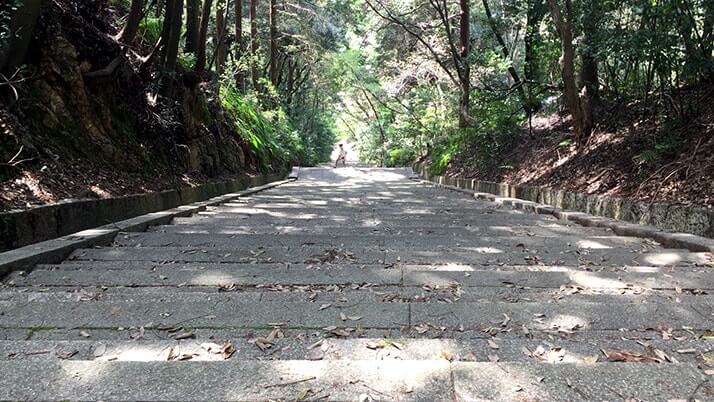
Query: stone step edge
(666,238)
(57,250)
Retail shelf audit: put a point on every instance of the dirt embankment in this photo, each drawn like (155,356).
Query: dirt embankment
(632,153)
(72,132)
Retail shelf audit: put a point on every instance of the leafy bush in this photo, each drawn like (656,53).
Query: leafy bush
(150,29)
(401,157)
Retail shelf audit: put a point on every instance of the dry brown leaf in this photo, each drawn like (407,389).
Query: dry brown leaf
(628,357)
(446,355)
(590,359)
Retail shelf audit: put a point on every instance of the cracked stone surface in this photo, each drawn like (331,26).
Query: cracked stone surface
(362,284)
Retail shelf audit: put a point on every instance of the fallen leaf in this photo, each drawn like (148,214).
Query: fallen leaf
(446,355)
(492,344)
(303,393)
(100,349)
(66,354)
(628,357)
(590,359)
(686,351)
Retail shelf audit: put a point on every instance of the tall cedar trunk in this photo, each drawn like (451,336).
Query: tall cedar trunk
(708,40)
(274,42)
(589,68)
(239,50)
(176,22)
(169,12)
(220,36)
(290,84)
(574,101)
(193,7)
(254,43)
(22,25)
(465,69)
(506,55)
(203,36)
(531,68)
(136,12)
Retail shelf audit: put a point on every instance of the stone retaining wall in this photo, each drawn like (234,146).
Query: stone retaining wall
(20,228)
(698,221)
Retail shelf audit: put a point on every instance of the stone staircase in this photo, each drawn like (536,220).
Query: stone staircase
(360,284)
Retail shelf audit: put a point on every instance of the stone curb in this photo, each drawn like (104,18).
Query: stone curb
(56,250)
(24,227)
(665,238)
(664,216)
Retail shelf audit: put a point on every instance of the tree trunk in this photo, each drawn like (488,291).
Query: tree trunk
(589,68)
(506,54)
(239,50)
(176,22)
(575,102)
(165,32)
(203,36)
(274,42)
(531,69)
(136,12)
(221,31)
(254,43)
(193,8)
(465,69)
(22,27)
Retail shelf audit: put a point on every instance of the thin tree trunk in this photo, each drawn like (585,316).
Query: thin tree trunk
(589,68)
(221,28)
(465,69)
(240,77)
(254,43)
(506,54)
(573,100)
(274,42)
(165,31)
(133,20)
(203,36)
(193,8)
(531,69)
(172,46)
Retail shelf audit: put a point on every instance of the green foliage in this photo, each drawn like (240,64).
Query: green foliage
(401,157)
(186,61)
(255,128)
(150,29)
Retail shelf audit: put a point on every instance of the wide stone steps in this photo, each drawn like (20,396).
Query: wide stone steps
(393,255)
(155,345)
(346,381)
(155,239)
(361,285)
(244,275)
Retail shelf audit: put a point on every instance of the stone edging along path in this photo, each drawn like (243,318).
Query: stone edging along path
(169,204)
(653,222)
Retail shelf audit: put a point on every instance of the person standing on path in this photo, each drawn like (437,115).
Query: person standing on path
(342,157)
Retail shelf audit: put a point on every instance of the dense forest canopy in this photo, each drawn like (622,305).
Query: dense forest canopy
(408,80)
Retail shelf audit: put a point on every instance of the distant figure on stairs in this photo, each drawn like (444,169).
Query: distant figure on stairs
(342,157)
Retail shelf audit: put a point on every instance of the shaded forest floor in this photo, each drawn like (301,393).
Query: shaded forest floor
(630,154)
(64,135)
(49,182)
